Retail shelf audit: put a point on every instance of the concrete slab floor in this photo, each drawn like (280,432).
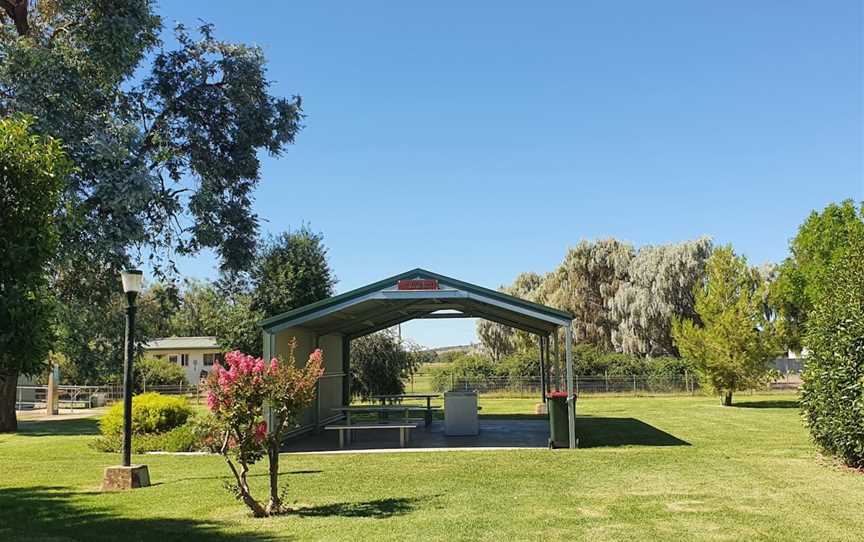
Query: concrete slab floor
(494,434)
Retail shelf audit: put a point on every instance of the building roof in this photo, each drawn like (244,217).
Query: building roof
(183,343)
(384,304)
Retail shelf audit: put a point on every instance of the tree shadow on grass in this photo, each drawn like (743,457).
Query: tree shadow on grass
(775,403)
(43,512)
(593,432)
(227,476)
(47,428)
(380,508)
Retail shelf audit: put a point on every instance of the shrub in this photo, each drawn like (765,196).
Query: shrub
(151,413)
(519,365)
(833,379)
(158,372)
(470,368)
(179,439)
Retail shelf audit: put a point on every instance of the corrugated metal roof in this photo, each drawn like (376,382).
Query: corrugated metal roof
(381,304)
(182,343)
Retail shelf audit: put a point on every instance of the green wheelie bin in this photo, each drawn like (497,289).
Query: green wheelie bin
(559,423)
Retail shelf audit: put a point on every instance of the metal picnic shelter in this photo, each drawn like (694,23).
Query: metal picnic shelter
(332,323)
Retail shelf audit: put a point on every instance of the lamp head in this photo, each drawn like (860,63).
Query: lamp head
(133,280)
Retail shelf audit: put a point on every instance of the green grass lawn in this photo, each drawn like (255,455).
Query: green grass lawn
(671,468)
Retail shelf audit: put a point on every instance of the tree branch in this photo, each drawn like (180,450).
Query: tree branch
(17,11)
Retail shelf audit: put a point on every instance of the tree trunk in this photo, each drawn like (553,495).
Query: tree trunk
(275,504)
(242,482)
(8,388)
(257,510)
(727,398)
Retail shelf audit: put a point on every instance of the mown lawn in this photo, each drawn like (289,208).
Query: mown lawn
(670,468)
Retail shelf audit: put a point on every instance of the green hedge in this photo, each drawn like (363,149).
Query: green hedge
(833,379)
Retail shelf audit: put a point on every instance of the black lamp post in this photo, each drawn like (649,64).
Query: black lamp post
(132,282)
(127,476)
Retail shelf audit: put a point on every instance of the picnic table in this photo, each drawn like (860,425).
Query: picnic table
(404,426)
(399,397)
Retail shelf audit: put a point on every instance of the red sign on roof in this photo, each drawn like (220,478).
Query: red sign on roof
(417,284)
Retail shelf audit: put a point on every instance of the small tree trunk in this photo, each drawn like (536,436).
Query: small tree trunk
(8,388)
(275,504)
(242,482)
(727,398)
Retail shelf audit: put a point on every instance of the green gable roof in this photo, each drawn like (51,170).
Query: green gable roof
(543,316)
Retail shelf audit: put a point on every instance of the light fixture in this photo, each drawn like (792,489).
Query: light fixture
(133,280)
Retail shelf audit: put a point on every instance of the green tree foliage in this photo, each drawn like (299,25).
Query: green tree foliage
(32,171)
(157,372)
(659,286)
(733,342)
(832,395)
(813,250)
(165,144)
(290,271)
(380,363)
(208,310)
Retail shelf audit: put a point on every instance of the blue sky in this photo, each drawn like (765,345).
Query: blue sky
(482,139)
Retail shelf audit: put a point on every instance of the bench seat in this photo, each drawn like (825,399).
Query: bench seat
(404,430)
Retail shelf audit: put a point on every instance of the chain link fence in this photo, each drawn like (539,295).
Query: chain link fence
(583,385)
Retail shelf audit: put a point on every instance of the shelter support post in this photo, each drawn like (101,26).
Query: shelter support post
(542,369)
(571,399)
(317,395)
(346,370)
(557,372)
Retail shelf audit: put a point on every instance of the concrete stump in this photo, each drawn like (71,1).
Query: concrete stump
(121,478)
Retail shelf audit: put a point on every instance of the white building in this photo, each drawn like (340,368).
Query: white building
(195,354)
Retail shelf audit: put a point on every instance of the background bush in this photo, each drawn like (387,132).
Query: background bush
(151,413)
(158,372)
(588,361)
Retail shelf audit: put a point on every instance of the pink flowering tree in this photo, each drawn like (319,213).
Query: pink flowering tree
(237,393)
(288,391)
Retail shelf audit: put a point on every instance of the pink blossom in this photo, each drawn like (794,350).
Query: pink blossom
(274,366)
(212,401)
(260,432)
(316,355)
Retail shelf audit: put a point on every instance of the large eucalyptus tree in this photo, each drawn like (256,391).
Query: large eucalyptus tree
(165,143)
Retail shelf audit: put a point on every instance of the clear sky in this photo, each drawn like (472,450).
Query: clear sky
(482,139)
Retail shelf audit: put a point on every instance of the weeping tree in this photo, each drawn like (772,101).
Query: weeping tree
(380,363)
(733,341)
(659,287)
(497,339)
(585,284)
(165,143)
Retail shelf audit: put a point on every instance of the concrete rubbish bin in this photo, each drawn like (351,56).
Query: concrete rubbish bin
(460,414)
